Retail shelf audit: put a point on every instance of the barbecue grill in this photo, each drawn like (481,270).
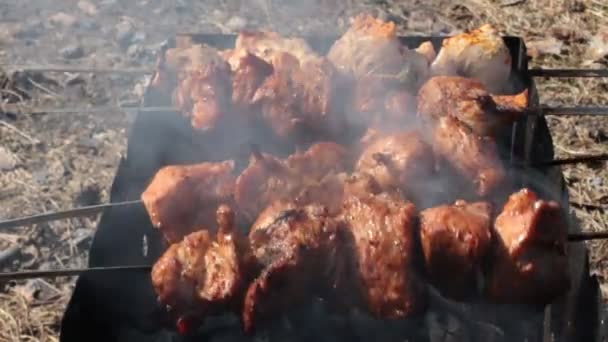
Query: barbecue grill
(114,301)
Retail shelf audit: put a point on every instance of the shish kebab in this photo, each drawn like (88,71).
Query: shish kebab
(95,209)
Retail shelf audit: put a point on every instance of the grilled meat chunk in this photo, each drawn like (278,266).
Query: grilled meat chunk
(181,199)
(298,248)
(474,158)
(320,159)
(455,239)
(383,269)
(530,264)
(479,54)
(299,178)
(201,275)
(266,44)
(371,47)
(248,73)
(301,101)
(399,161)
(469,101)
(203,84)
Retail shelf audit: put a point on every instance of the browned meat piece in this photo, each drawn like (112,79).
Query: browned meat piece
(319,160)
(298,247)
(427,50)
(265,44)
(200,275)
(383,269)
(530,264)
(299,178)
(203,84)
(248,73)
(265,180)
(301,101)
(181,199)
(468,101)
(475,158)
(370,47)
(401,160)
(455,239)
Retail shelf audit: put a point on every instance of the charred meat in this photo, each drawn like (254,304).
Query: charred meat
(383,275)
(529,265)
(298,248)
(455,239)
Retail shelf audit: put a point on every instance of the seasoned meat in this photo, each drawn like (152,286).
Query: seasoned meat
(203,84)
(202,275)
(266,44)
(371,47)
(298,248)
(300,178)
(320,159)
(475,158)
(383,268)
(248,73)
(479,54)
(401,160)
(468,101)
(265,180)
(181,199)
(427,50)
(530,264)
(455,239)
(302,101)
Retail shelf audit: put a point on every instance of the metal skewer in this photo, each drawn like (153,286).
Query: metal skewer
(568,72)
(60,215)
(20,275)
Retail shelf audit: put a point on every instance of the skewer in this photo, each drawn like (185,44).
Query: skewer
(568,72)
(75,69)
(579,110)
(71,110)
(575,160)
(20,275)
(59,215)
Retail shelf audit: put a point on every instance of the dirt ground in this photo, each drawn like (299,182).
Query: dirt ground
(57,161)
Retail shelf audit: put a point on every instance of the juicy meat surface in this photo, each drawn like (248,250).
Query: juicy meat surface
(301,177)
(371,47)
(266,44)
(248,73)
(478,54)
(181,199)
(383,269)
(203,84)
(455,239)
(473,157)
(201,275)
(297,247)
(320,159)
(469,101)
(302,100)
(400,160)
(530,264)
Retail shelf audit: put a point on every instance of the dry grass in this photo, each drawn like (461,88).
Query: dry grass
(72,164)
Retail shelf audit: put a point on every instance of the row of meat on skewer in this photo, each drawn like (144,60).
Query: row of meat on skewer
(393,181)
(353,239)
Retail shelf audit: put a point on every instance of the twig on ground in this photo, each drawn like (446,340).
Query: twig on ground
(20,132)
(509,3)
(43,88)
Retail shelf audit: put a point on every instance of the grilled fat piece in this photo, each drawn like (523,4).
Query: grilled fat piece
(480,54)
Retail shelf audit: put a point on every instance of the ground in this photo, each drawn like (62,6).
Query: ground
(57,161)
